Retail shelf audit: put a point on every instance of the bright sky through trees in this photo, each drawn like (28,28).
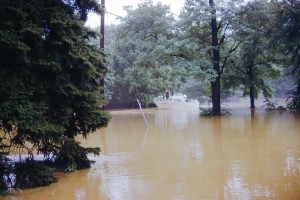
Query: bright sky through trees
(115,7)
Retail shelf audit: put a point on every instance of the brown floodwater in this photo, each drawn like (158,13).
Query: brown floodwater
(183,156)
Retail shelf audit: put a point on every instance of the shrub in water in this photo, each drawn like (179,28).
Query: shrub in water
(32,173)
(6,170)
(72,156)
(208,111)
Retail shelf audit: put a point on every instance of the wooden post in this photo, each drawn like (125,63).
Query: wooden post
(102,25)
(101,84)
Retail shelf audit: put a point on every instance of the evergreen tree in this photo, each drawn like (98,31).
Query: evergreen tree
(48,71)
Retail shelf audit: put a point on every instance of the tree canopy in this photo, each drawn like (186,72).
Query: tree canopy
(287,28)
(224,45)
(208,26)
(139,58)
(254,61)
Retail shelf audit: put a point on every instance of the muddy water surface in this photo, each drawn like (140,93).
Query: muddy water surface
(183,156)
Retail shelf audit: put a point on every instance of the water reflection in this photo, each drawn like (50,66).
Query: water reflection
(145,138)
(175,118)
(249,155)
(236,188)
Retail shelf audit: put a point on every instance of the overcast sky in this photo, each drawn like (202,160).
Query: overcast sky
(116,7)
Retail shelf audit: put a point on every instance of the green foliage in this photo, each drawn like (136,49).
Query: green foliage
(5,170)
(205,29)
(142,65)
(288,25)
(154,81)
(248,57)
(82,7)
(205,112)
(33,174)
(195,89)
(48,73)
(294,97)
(272,106)
(254,61)
(73,157)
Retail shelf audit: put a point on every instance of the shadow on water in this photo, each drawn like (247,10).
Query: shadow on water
(252,154)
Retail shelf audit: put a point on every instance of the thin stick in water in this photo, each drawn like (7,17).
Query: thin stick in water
(142,112)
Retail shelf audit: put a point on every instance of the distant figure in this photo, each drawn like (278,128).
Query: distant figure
(167,94)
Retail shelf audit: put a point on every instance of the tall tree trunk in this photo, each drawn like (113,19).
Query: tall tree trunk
(215,86)
(251,91)
(216,97)
(252,104)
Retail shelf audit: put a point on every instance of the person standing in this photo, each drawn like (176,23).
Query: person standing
(167,94)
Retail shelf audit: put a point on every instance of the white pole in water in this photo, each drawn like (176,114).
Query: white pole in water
(142,112)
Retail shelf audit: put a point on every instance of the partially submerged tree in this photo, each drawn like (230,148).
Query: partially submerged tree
(254,61)
(206,31)
(48,71)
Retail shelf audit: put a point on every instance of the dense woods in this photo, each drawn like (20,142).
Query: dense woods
(51,64)
(212,50)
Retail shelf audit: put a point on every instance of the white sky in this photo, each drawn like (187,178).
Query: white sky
(116,7)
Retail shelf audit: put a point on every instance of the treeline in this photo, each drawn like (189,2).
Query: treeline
(50,69)
(212,49)
(49,93)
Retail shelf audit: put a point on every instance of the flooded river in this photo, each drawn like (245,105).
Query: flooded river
(183,156)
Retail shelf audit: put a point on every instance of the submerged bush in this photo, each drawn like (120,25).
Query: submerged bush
(5,169)
(33,173)
(72,156)
(208,111)
(272,105)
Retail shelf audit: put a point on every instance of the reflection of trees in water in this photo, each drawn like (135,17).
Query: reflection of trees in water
(170,118)
(292,164)
(292,168)
(218,152)
(243,156)
(235,187)
(262,167)
(247,150)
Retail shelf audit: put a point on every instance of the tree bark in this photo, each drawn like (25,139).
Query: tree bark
(215,86)
(251,89)
(252,104)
